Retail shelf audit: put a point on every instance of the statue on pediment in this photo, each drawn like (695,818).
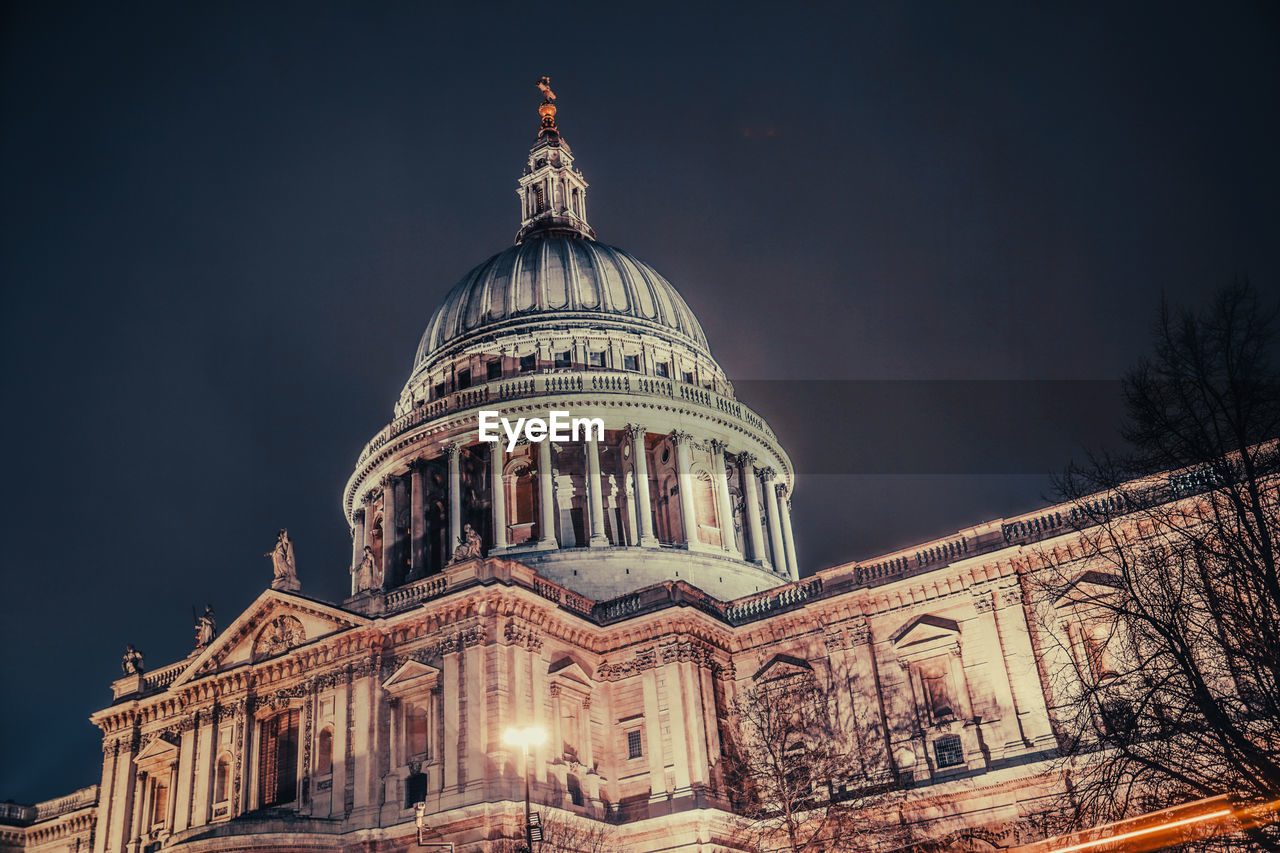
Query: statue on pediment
(132,662)
(285,571)
(206,627)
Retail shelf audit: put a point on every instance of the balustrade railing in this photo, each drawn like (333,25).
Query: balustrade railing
(567,382)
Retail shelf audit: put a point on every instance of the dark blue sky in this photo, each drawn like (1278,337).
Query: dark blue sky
(226,225)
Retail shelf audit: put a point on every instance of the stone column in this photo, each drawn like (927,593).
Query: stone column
(724,507)
(595,493)
(788,538)
(684,475)
(546,498)
(390,535)
(640,464)
(498,500)
(779,554)
(747,471)
(453,451)
(417,519)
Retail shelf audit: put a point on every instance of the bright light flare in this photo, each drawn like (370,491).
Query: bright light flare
(525,737)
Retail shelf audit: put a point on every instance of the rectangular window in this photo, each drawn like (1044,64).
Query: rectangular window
(416,728)
(687,377)
(596,359)
(564,359)
(493,369)
(160,803)
(633,744)
(949,751)
(464,379)
(662,369)
(278,759)
(528,363)
(439,390)
(631,362)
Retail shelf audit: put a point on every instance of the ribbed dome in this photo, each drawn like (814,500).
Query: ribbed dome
(563,279)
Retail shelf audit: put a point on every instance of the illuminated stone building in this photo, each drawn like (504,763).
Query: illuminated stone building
(629,585)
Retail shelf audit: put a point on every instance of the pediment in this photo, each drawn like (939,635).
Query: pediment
(275,624)
(1089,587)
(782,666)
(160,750)
(412,676)
(924,629)
(568,669)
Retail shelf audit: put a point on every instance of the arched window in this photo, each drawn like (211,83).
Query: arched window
(222,779)
(324,753)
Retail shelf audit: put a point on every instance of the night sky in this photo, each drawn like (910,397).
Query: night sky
(931,236)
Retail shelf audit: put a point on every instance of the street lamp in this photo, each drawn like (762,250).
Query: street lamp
(524,738)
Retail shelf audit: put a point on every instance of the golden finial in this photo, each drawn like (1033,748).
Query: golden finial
(548,107)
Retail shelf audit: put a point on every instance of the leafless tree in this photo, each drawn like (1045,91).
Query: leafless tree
(797,774)
(1166,612)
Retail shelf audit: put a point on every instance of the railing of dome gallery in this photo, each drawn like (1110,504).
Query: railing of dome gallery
(568,382)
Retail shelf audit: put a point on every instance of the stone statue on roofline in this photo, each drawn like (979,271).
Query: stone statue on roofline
(206,627)
(285,571)
(131,663)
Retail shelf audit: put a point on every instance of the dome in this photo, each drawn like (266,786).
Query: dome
(561,279)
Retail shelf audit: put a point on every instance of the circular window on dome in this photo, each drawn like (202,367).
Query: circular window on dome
(626,451)
(666,454)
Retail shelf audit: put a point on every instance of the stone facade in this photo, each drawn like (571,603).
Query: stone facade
(630,587)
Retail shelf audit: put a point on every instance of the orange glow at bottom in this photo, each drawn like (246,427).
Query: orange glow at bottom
(1148,831)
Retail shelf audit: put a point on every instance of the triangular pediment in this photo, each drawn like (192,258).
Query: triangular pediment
(569,669)
(275,624)
(413,675)
(924,629)
(782,666)
(1089,587)
(159,749)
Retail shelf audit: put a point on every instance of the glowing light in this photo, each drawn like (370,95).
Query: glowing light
(1148,831)
(525,737)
